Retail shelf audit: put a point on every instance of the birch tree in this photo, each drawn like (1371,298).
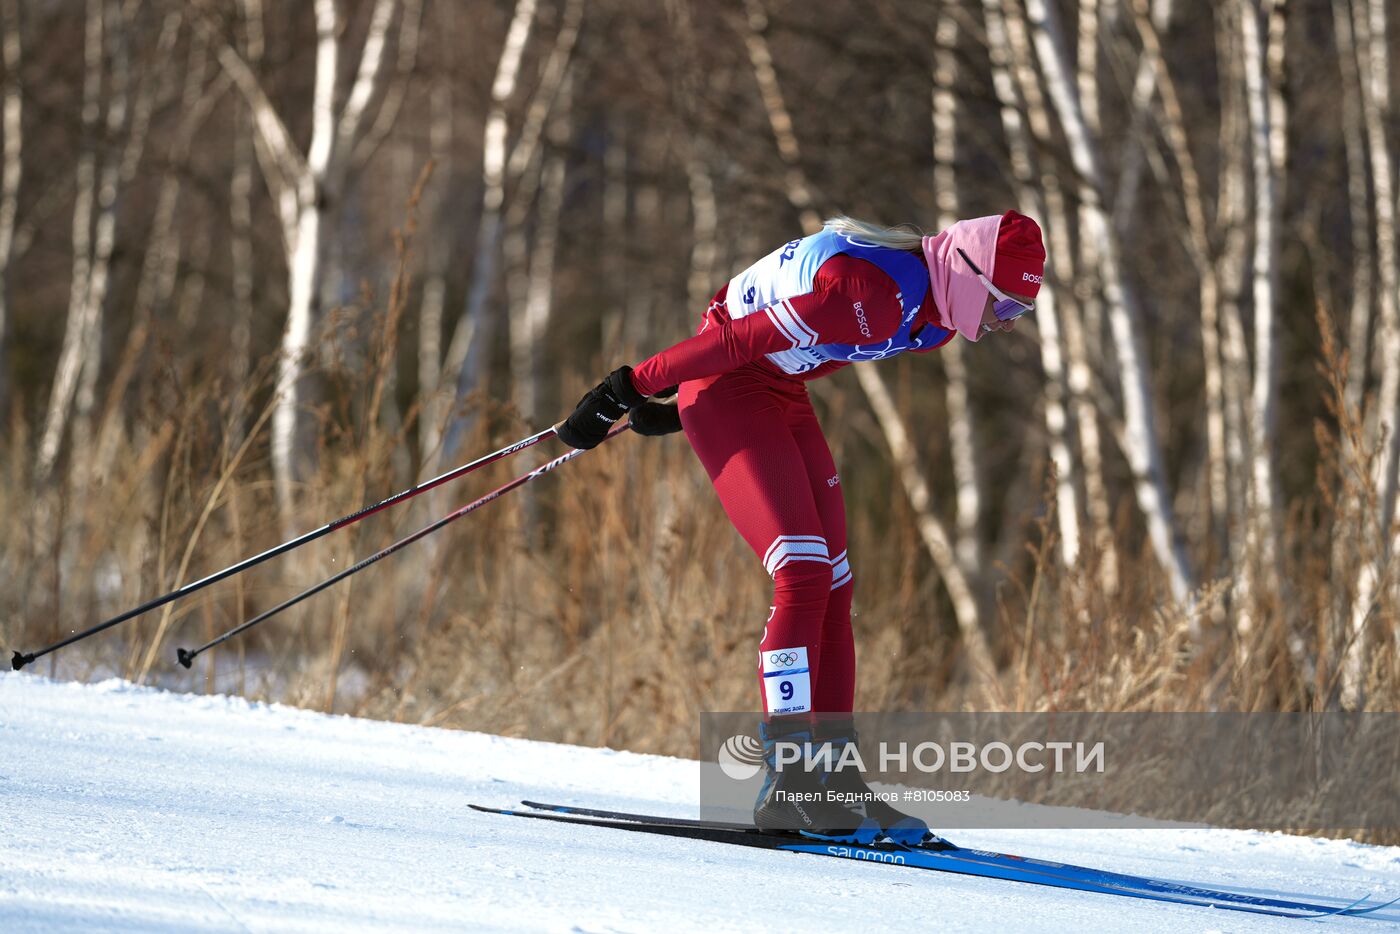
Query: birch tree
(1196,237)
(1139,439)
(1363,261)
(704,205)
(160,265)
(967,499)
(533,268)
(1266,147)
(795,182)
(11,161)
(529,262)
(441,133)
(118,176)
(1039,194)
(1370,31)
(240,198)
(472,335)
(99,178)
(506,168)
(304,188)
(66,374)
(1232,220)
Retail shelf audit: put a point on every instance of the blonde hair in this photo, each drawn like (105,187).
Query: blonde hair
(903,237)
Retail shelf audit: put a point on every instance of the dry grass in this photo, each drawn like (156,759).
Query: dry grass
(629,606)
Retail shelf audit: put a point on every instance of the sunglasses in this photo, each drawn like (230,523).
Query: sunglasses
(1006,308)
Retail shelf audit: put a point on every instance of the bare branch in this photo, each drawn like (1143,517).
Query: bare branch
(366,80)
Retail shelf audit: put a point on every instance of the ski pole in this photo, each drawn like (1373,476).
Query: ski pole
(21,659)
(187,657)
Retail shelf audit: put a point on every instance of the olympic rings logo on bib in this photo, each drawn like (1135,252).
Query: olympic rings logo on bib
(783,658)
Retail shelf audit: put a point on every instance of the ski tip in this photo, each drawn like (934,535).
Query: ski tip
(1353,912)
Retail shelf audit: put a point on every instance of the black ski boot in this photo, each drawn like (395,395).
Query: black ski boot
(795,799)
(894,824)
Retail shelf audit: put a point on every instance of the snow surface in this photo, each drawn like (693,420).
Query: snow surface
(131,809)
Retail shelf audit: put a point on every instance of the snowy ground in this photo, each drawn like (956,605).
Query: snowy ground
(123,808)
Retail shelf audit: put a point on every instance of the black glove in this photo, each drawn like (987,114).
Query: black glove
(599,410)
(657,417)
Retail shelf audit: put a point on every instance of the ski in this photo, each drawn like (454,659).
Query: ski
(1081,873)
(948,858)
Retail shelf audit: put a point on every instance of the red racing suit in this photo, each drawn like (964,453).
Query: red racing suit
(754,430)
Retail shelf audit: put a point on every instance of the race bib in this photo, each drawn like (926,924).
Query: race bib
(787,681)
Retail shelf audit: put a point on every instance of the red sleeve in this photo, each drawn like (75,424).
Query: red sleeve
(852,302)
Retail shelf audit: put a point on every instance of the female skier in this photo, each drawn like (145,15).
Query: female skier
(850,293)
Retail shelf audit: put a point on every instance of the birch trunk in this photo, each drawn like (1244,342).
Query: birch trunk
(1232,214)
(539,298)
(1266,163)
(290,458)
(967,497)
(704,206)
(304,189)
(75,334)
(1370,29)
(1196,238)
(160,265)
(1087,74)
(430,390)
(117,176)
(1072,371)
(532,269)
(112,176)
(532,292)
(799,192)
(1346,541)
(704,231)
(472,336)
(913,477)
(616,229)
(12,169)
(1009,52)
(641,279)
(1363,260)
(392,90)
(1137,153)
(1140,443)
(241,234)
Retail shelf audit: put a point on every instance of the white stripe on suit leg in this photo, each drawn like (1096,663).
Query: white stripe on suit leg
(787,548)
(781,539)
(796,552)
(840,571)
